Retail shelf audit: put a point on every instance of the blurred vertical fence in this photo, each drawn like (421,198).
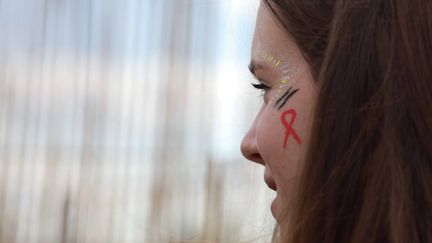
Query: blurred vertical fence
(120,121)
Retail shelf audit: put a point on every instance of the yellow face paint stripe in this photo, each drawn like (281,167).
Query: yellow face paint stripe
(283,67)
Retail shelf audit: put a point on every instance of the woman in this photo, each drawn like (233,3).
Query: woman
(345,129)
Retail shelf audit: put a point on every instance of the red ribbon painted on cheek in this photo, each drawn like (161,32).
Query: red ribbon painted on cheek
(289,126)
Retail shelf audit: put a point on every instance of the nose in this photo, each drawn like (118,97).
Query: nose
(249,145)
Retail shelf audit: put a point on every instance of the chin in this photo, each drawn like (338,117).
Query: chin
(275,208)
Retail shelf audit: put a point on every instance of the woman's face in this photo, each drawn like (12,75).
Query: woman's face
(278,137)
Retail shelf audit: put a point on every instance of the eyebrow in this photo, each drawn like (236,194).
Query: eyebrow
(254,66)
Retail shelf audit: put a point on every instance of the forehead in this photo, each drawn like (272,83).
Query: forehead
(271,35)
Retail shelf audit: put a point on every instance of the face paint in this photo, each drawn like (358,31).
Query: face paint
(287,74)
(268,57)
(289,130)
(284,98)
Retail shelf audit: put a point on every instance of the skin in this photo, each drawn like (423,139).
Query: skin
(264,142)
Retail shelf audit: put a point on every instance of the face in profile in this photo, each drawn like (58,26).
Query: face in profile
(278,137)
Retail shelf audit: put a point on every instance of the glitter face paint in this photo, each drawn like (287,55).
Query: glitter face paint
(287,73)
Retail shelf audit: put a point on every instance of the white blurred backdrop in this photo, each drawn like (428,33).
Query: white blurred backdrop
(121,121)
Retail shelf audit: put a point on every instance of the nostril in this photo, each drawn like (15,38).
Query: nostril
(256,157)
(249,149)
(251,153)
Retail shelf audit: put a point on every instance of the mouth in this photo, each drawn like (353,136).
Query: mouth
(270,183)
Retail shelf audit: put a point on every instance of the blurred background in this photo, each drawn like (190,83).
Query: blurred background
(121,121)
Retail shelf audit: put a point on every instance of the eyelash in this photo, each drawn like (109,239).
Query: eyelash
(261,86)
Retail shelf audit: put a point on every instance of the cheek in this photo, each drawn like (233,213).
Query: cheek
(288,119)
(280,141)
(269,135)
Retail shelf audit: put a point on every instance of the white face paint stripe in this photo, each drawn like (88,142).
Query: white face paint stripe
(286,71)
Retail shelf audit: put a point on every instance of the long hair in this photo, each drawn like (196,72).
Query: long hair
(367,176)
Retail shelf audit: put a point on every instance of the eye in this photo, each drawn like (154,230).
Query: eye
(262,87)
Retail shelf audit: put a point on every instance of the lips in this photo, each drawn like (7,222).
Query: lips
(270,183)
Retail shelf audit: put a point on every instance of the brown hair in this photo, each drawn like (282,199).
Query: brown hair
(368,172)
